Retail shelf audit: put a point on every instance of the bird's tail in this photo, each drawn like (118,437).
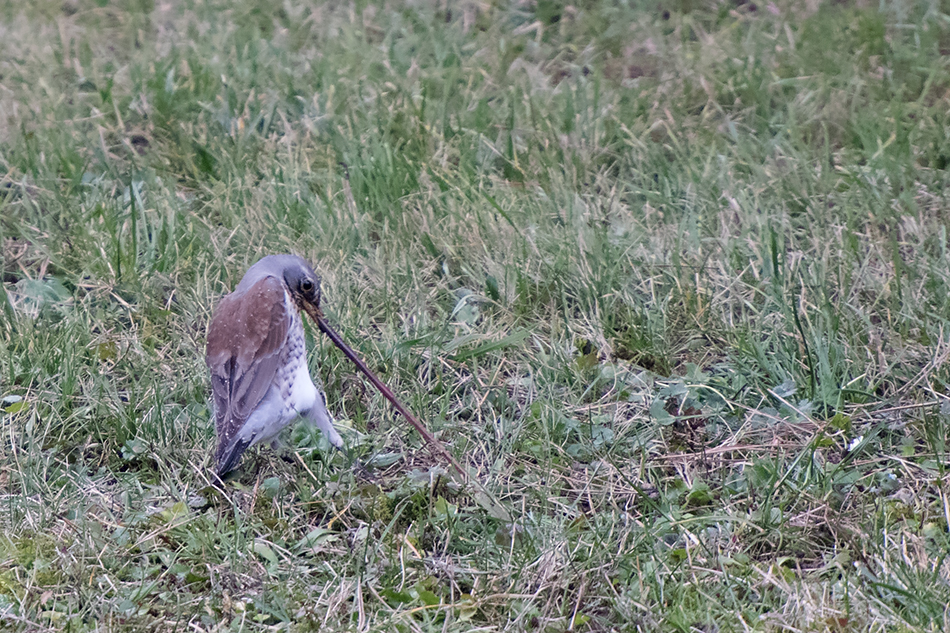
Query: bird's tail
(229,455)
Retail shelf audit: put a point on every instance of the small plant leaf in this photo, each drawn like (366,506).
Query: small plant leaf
(264,550)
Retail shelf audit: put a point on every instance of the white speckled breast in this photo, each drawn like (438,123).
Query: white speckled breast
(297,390)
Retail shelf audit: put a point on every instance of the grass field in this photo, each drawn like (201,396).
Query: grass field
(671,279)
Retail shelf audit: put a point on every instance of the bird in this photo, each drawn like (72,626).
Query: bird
(257,357)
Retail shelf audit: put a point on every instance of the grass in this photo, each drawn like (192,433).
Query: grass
(672,280)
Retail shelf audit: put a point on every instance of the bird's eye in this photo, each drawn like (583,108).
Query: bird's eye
(306,285)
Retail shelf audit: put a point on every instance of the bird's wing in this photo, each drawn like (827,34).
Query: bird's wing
(245,337)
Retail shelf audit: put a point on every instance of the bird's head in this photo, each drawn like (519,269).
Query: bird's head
(304,286)
(296,273)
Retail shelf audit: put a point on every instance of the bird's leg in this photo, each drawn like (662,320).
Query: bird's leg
(320,417)
(282,449)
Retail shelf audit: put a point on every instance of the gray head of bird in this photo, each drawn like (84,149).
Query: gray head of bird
(301,281)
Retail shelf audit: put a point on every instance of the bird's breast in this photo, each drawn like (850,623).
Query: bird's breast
(293,378)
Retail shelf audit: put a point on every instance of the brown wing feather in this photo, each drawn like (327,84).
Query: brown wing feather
(245,336)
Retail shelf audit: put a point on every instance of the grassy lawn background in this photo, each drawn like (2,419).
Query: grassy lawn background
(671,279)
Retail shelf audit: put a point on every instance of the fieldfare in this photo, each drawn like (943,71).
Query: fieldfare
(258,362)
(258,358)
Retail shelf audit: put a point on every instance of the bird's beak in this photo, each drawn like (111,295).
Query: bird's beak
(314,311)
